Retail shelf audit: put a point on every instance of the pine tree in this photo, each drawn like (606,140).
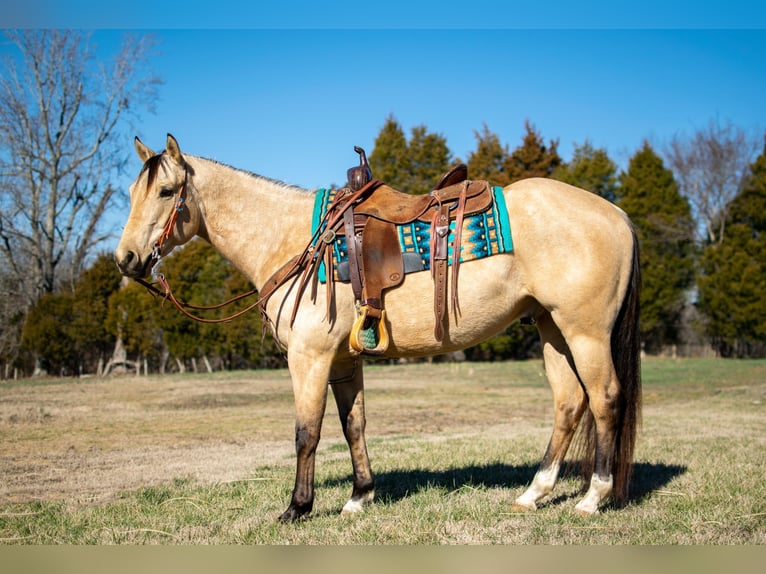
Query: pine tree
(92,340)
(65,332)
(429,159)
(533,158)
(491,161)
(488,161)
(665,228)
(245,342)
(733,278)
(389,158)
(133,318)
(414,166)
(46,336)
(199,276)
(590,169)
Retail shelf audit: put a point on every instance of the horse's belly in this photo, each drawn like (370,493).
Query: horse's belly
(490,298)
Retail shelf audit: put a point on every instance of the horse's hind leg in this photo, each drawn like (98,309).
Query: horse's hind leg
(569,404)
(347,383)
(593,358)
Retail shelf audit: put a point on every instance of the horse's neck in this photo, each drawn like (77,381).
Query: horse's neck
(256,223)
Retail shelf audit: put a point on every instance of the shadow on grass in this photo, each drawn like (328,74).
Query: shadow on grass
(649,477)
(397,484)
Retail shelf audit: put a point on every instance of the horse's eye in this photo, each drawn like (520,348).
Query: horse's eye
(167,192)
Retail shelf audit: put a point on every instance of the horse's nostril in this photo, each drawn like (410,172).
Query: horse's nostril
(124,263)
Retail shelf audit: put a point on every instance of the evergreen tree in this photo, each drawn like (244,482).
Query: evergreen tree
(66,332)
(245,341)
(389,159)
(241,342)
(488,161)
(733,276)
(192,276)
(199,276)
(590,169)
(665,228)
(92,340)
(133,318)
(46,336)
(414,166)
(429,159)
(533,158)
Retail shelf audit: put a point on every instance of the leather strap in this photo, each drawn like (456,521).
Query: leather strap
(439,253)
(456,243)
(354,249)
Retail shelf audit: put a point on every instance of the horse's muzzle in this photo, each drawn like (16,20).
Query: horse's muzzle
(130,265)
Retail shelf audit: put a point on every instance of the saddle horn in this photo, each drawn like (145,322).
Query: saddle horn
(359,175)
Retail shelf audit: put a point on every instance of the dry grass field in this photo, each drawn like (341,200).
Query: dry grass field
(198,459)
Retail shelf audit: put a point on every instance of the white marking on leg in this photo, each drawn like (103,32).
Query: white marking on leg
(356,506)
(352,507)
(542,484)
(599,490)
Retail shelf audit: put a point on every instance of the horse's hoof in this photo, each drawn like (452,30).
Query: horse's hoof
(287,516)
(293,514)
(523,507)
(352,507)
(356,505)
(585,513)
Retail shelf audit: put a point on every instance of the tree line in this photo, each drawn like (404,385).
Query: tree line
(698,210)
(702,280)
(107,324)
(697,203)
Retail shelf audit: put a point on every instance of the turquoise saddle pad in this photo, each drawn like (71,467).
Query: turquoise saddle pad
(484,234)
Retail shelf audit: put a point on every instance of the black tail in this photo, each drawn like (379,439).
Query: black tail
(626,355)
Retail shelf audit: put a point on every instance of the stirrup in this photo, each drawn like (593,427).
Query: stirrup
(369,335)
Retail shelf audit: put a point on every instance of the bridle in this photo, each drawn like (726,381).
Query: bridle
(166,292)
(169,224)
(302,263)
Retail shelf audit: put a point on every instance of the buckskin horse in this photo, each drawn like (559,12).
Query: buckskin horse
(573,272)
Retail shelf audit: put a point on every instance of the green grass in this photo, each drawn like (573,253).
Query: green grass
(451,447)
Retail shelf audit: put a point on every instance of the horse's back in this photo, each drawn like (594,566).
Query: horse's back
(561,211)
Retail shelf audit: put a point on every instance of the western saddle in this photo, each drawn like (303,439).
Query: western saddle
(367,212)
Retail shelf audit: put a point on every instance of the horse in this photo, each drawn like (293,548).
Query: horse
(573,271)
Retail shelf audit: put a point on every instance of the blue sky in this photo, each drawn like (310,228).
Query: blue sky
(287,91)
(292,104)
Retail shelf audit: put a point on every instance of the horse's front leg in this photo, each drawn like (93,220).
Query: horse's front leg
(309,376)
(347,383)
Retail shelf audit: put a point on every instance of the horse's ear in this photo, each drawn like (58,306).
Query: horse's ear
(143,151)
(174,151)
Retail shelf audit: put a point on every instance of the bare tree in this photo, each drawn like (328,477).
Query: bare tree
(711,167)
(63,112)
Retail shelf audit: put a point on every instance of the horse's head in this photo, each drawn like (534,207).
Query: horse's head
(161,213)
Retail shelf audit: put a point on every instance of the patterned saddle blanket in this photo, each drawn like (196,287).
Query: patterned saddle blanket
(484,234)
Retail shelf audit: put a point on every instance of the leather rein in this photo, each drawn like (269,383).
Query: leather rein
(167,293)
(302,262)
